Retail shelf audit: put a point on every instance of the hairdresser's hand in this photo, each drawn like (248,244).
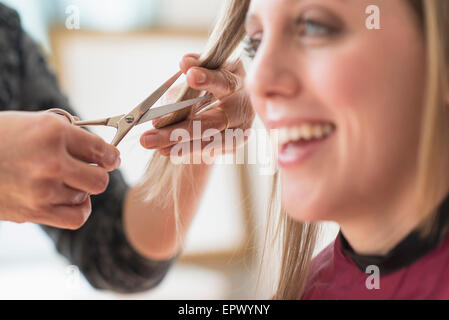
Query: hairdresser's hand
(46,171)
(220,83)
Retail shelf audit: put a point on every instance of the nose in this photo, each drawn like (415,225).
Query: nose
(272,73)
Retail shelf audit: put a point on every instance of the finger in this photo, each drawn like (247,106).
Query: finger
(67,217)
(85,177)
(66,195)
(219,82)
(202,126)
(45,192)
(90,148)
(188,61)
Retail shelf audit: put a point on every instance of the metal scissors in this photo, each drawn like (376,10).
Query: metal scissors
(140,114)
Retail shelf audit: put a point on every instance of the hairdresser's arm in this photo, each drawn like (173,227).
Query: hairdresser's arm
(150,227)
(100,248)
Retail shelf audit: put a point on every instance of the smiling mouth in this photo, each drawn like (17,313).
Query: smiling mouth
(296,142)
(305,132)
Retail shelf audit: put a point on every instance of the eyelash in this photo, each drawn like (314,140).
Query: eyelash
(252,44)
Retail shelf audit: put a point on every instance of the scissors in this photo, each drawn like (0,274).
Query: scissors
(140,114)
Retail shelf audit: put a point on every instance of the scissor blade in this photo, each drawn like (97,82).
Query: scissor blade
(164,110)
(125,124)
(156,95)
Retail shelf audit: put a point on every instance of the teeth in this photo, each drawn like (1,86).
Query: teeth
(304,132)
(294,134)
(318,132)
(327,129)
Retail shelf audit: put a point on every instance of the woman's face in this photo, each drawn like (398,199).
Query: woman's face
(346,100)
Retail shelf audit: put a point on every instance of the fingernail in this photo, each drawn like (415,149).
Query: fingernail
(111,158)
(150,141)
(200,77)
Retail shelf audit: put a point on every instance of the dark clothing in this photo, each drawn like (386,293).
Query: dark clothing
(100,248)
(416,268)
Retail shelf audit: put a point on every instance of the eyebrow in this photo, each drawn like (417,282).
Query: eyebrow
(252,18)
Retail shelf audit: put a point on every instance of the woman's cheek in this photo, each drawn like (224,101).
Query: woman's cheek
(346,84)
(339,82)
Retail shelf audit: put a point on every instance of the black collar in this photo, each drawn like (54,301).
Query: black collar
(410,249)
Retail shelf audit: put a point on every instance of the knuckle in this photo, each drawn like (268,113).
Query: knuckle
(49,167)
(49,194)
(54,123)
(43,193)
(49,118)
(54,131)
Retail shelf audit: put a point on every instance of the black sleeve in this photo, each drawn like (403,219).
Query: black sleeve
(100,248)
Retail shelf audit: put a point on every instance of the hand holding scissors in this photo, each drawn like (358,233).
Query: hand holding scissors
(140,114)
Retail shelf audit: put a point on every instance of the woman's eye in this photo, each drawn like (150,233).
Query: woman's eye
(311,28)
(250,46)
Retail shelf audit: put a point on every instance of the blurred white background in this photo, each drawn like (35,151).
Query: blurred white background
(123,50)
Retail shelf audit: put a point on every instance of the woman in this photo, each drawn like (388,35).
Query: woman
(317,66)
(362,120)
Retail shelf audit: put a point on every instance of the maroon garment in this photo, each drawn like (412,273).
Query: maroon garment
(334,275)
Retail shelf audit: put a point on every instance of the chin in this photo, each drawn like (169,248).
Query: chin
(308,213)
(304,205)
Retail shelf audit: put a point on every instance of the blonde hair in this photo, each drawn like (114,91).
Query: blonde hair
(225,38)
(435,20)
(297,238)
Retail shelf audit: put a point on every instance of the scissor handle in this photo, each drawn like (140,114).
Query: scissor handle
(63,113)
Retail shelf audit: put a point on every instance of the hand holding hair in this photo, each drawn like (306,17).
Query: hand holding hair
(235,112)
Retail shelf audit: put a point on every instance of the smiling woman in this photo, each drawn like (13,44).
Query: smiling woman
(362,115)
(316,63)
